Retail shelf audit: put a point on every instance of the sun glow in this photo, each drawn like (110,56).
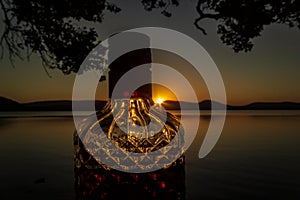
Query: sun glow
(159,100)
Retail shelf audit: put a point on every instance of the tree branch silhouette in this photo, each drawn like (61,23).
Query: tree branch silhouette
(54,29)
(239,22)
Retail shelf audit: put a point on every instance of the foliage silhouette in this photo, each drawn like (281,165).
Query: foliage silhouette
(55,30)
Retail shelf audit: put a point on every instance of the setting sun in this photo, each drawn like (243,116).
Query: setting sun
(159,100)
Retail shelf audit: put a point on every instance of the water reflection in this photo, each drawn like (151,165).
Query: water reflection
(94,181)
(255,158)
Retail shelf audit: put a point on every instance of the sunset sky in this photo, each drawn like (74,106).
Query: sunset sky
(270,72)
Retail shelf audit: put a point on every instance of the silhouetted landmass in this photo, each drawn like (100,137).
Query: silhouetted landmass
(10,105)
(206,105)
(65,105)
(48,106)
(62,105)
(269,106)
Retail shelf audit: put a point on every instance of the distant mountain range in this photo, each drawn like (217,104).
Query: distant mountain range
(66,105)
(60,105)
(206,105)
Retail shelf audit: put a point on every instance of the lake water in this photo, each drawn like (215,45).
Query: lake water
(256,157)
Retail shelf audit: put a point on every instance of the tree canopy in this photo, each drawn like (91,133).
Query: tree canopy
(48,28)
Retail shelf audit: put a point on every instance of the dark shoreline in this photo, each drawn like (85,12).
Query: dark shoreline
(7,105)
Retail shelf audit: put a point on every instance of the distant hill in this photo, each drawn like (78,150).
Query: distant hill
(66,105)
(48,106)
(270,106)
(62,105)
(206,105)
(9,105)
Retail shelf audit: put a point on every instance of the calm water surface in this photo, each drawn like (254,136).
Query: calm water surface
(256,157)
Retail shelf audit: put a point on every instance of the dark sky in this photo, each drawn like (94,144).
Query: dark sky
(270,72)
